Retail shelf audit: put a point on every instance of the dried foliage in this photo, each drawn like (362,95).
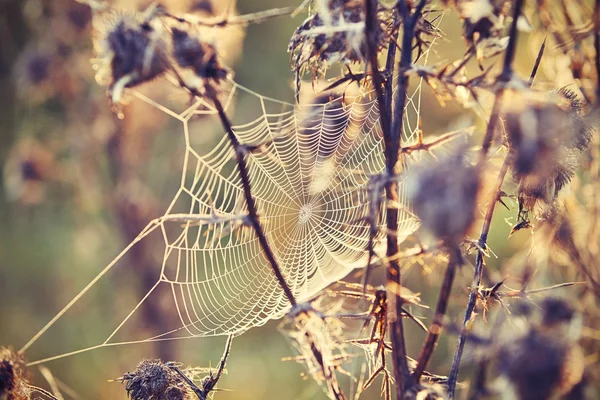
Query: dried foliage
(158,380)
(543,135)
(14,378)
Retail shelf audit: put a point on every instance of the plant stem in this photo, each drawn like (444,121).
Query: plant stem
(480,262)
(393,144)
(384,99)
(253,218)
(504,77)
(440,311)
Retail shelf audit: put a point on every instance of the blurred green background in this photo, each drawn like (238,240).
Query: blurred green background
(78,184)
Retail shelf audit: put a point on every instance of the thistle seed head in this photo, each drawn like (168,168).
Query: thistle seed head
(546,135)
(335,33)
(444,197)
(201,57)
(154,380)
(133,51)
(14,379)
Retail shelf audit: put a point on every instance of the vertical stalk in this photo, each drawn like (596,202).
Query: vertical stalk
(477,277)
(505,76)
(392,133)
(440,311)
(393,145)
(253,218)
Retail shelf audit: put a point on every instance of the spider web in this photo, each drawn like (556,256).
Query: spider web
(310,185)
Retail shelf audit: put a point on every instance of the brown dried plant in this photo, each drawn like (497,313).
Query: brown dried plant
(543,135)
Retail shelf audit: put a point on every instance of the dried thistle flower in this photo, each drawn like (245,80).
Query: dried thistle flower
(545,361)
(546,136)
(155,380)
(335,33)
(483,25)
(444,196)
(14,378)
(133,51)
(202,58)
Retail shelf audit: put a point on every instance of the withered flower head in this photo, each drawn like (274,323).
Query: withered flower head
(546,135)
(580,131)
(444,196)
(154,380)
(483,25)
(545,361)
(533,364)
(37,71)
(335,33)
(482,19)
(13,376)
(202,58)
(135,50)
(79,15)
(556,311)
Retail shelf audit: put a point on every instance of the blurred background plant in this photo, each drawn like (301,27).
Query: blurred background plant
(80,182)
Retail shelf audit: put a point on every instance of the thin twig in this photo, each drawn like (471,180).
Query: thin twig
(538,60)
(254,18)
(480,262)
(509,55)
(254,221)
(504,77)
(426,146)
(440,311)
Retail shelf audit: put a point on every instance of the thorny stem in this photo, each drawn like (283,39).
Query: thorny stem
(440,311)
(392,144)
(504,77)
(392,141)
(511,49)
(480,262)
(538,60)
(384,100)
(491,128)
(392,132)
(385,112)
(254,221)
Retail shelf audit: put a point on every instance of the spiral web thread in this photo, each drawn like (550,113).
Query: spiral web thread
(310,187)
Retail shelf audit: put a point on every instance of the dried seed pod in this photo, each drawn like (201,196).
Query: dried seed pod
(545,361)
(444,197)
(580,130)
(546,135)
(154,380)
(132,50)
(483,25)
(200,57)
(13,376)
(335,33)
(482,19)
